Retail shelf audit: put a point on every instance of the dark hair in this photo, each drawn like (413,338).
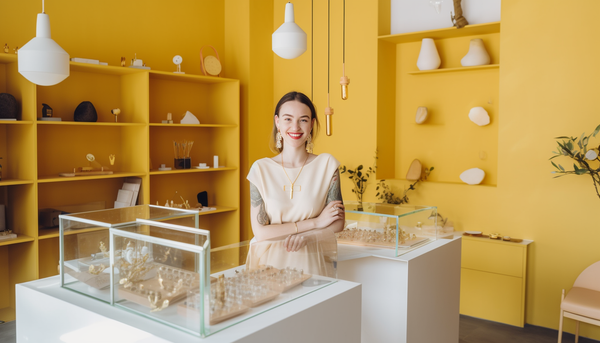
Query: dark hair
(302,98)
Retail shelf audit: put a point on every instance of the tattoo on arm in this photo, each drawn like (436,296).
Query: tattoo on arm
(335,192)
(257,200)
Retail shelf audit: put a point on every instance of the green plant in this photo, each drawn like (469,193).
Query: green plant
(577,149)
(359,177)
(386,194)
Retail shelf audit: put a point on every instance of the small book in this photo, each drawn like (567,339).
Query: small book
(125,196)
(121,204)
(85,60)
(49,119)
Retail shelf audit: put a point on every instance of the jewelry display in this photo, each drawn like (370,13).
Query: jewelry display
(232,296)
(92,270)
(181,151)
(385,238)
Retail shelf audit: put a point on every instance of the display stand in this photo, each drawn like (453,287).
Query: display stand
(411,298)
(48,313)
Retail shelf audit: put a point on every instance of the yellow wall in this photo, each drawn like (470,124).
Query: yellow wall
(107,30)
(549,81)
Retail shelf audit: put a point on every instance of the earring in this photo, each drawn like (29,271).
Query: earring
(278,140)
(309,144)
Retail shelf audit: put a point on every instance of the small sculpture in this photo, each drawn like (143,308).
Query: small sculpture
(457,19)
(116,112)
(6,48)
(421,115)
(479,116)
(111,158)
(472,176)
(177,60)
(9,107)
(16,50)
(477,55)
(46,111)
(122,61)
(86,112)
(189,118)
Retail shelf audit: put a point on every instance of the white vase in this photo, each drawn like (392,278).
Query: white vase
(429,58)
(477,54)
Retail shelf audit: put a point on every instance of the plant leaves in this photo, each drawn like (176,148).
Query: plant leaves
(359,174)
(561,167)
(554,165)
(561,137)
(596,131)
(359,167)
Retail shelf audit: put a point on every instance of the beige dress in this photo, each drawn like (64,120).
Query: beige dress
(310,194)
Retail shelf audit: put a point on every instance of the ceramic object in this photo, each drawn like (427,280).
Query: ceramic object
(9,107)
(421,115)
(414,171)
(85,112)
(189,118)
(477,54)
(429,58)
(479,116)
(472,176)
(591,155)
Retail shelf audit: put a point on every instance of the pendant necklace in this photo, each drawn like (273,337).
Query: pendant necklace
(286,175)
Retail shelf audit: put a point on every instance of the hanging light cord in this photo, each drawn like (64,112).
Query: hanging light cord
(344,38)
(328,46)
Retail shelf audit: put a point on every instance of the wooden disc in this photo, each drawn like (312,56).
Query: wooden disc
(212,65)
(414,171)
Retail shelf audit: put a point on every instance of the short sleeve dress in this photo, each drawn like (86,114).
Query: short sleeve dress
(310,194)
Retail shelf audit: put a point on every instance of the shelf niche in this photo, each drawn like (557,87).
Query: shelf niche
(447,140)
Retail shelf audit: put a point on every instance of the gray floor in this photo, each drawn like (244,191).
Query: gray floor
(472,330)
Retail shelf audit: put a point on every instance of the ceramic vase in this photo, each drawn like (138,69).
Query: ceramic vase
(477,54)
(429,58)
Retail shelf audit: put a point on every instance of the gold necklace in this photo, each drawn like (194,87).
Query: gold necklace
(290,180)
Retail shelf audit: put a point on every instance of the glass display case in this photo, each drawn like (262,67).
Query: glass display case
(169,273)
(400,227)
(85,247)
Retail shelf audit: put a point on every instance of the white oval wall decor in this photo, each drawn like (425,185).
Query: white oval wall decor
(477,54)
(479,116)
(429,58)
(472,176)
(421,115)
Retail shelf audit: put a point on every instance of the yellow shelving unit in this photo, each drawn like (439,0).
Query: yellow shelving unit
(35,152)
(447,140)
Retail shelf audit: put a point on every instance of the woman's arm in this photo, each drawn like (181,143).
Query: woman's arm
(334,197)
(264,230)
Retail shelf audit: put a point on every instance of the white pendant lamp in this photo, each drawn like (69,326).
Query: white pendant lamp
(41,60)
(289,41)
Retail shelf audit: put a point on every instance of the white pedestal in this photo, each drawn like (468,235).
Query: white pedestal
(48,313)
(412,298)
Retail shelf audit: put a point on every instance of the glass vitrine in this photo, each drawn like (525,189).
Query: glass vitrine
(85,247)
(399,227)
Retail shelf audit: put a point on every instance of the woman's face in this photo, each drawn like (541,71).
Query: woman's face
(294,123)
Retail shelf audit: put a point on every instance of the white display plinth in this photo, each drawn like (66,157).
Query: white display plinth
(412,298)
(48,313)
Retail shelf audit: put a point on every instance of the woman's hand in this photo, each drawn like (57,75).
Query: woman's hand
(332,212)
(294,243)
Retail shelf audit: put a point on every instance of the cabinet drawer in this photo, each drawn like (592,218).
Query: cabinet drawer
(493,256)
(492,297)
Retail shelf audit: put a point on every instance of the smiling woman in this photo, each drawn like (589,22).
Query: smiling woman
(294,192)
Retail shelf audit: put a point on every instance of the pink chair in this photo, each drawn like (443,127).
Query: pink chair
(582,303)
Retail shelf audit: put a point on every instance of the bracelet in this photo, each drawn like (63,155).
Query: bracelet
(296,225)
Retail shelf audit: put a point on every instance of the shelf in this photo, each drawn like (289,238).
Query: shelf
(15,122)
(13,182)
(163,75)
(55,233)
(7,58)
(445,70)
(102,69)
(445,182)
(20,239)
(193,170)
(49,179)
(81,123)
(219,209)
(193,125)
(451,32)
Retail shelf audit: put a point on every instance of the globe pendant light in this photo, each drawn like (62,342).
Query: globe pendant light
(41,60)
(289,41)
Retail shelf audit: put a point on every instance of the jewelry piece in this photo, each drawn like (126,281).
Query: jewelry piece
(111,158)
(286,175)
(103,249)
(154,299)
(278,140)
(296,225)
(92,270)
(309,144)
